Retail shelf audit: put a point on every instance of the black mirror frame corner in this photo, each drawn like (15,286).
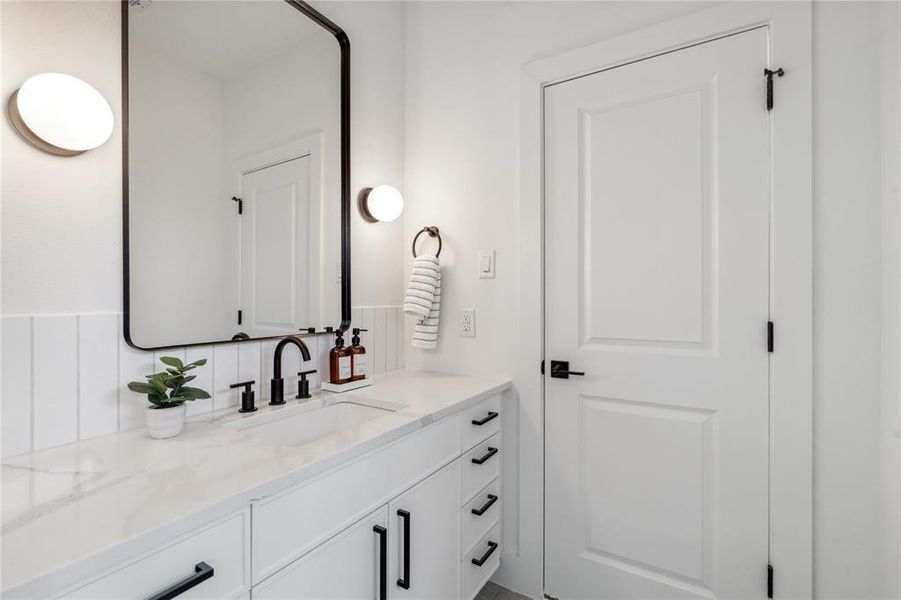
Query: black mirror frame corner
(344,45)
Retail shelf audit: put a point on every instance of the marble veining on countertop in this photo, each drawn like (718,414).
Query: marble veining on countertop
(66,511)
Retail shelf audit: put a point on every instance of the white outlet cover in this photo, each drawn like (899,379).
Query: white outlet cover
(468,322)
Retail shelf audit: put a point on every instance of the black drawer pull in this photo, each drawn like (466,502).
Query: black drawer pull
(404,581)
(480,422)
(481,511)
(481,560)
(491,452)
(383,561)
(202,572)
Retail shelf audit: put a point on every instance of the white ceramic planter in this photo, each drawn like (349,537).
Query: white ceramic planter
(165,423)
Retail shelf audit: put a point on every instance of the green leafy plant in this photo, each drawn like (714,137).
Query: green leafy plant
(167,389)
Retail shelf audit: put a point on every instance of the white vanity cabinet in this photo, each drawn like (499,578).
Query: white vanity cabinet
(415,519)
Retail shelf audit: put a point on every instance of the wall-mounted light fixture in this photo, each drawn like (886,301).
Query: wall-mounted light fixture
(381,203)
(61,114)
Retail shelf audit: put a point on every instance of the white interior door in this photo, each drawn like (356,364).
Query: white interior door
(276,269)
(656,258)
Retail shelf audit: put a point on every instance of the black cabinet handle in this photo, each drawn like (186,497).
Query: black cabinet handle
(481,560)
(202,572)
(491,452)
(481,510)
(404,581)
(480,422)
(383,561)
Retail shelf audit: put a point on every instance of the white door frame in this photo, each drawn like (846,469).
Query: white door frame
(791,413)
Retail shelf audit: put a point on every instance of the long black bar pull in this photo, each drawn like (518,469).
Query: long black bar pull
(769,85)
(769,581)
(404,581)
(383,561)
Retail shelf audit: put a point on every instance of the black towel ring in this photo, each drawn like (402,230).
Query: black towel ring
(433,232)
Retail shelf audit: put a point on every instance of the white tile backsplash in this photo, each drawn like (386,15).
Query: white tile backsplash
(64,376)
(55,376)
(15,385)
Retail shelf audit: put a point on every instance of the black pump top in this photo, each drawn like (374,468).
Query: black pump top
(339,339)
(355,340)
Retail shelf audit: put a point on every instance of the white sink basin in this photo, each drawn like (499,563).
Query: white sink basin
(305,424)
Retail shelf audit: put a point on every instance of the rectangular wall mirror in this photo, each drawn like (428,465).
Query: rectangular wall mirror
(236,171)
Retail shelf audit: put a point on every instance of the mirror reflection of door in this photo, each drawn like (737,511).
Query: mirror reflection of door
(277,271)
(212,115)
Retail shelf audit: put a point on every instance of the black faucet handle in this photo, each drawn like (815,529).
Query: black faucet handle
(246,396)
(303,386)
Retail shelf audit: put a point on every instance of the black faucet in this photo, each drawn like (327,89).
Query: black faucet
(278,384)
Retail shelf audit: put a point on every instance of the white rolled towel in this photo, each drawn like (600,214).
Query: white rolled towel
(423,299)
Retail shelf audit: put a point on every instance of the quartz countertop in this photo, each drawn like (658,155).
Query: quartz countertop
(75,510)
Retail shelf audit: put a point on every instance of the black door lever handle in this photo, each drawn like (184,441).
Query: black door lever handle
(560,370)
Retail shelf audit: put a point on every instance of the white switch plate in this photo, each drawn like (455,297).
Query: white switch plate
(468,322)
(487,259)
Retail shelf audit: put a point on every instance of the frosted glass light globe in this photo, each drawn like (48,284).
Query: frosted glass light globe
(61,114)
(384,203)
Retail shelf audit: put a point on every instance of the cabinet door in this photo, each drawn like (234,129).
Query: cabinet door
(350,566)
(425,538)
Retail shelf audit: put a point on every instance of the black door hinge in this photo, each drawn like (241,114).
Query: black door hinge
(770,336)
(542,367)
(240,204)
(769,581)
(240,316)
(768,73)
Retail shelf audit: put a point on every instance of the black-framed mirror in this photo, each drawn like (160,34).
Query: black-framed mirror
(236,171)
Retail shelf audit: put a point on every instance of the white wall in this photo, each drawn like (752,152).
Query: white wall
(462,75)
(849,266)
(61,218)
(890,409)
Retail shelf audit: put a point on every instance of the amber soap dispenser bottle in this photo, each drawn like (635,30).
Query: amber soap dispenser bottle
(339,361)
(359,362)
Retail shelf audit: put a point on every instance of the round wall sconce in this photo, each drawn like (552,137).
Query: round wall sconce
(381,203)
(60,114)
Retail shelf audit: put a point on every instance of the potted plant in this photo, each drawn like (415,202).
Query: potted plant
(167,394)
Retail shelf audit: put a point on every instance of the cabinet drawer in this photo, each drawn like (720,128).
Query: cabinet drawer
(474,527)
(223,546)
(488,553)
(479,423)
(480,466)
(289,524)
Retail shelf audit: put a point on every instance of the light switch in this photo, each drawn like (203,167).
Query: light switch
(486,264)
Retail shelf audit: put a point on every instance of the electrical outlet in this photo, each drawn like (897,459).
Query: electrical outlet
(468,322)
